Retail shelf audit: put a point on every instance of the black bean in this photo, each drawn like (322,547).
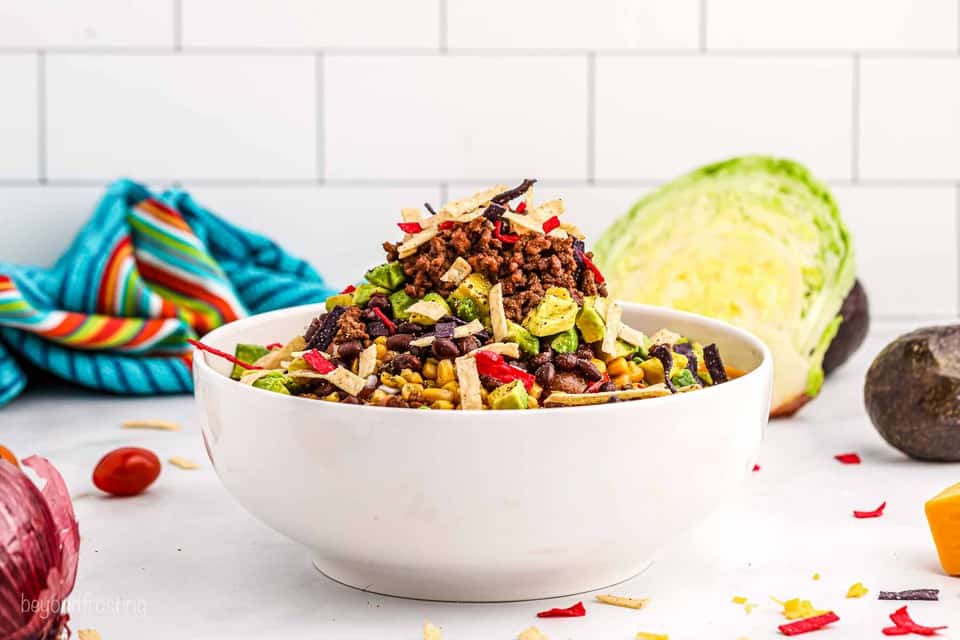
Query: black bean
(396,401)
(585,351)
(380,301)
(325,388)
(542,358)
(519,364)
(608,386)
(566,361)
(468,344)
(489,383)
(545,373)
(399,341)
(369,315)
(445,348)
(410,327)
(589,370)
(347,351)
(350,400)
(377,329)
(406,361)
(568,382)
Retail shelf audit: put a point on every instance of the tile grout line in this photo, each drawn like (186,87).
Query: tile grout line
(178,25)
(855,121)
(442,26)
(591,117)
(703,26)
(41,116)
(321,122)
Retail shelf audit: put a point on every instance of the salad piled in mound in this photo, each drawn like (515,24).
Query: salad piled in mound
(489,303)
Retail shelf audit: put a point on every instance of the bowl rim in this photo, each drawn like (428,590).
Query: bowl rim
(202,368)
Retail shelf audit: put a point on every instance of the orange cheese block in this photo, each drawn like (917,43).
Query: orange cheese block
(943,514)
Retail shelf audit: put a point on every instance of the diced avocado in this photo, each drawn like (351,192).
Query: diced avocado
(365,291)
(528,342)
(512,395)
(683,378)
(590,323)
(339,300)
(388,275)
(275,382)
(248,353)
(429,319)
(399,301)
(477,288)
(652,370)
(556,313)
(679,362)
(566,342)
(298,364)
(701,363)
(464,308)
(622,348)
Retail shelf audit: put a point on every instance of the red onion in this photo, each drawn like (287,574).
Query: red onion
(39,542)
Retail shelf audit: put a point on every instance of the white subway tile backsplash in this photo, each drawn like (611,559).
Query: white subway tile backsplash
(46,220)
(832,24)
(910,118)
(601,24)
(906,246)
(338,229)
(592,208)
(90,23)
(455,117)
(18,117)
(181,116)
(659,117)
(311,23)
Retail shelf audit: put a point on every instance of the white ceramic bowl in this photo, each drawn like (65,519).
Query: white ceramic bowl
(483,505)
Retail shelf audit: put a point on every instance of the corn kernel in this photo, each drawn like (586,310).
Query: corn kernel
(386,378)
(411,390)
(445,372)
(621,380)
(430,370)
(652,370)
(600,364)
(378,397)
(617,366)
(535,390)
(442,404)
(332,397)
(381,351)
(434,395)
(453,387)
(679,362)
(380,340)
(532,402)
(411,376)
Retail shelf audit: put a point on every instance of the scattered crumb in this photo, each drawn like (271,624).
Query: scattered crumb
(161,425)
(643,635)
(532,634)
(816,576)
(622,601)
(431,631)
(88,634)
(857,590)
(739,600)
(183,463)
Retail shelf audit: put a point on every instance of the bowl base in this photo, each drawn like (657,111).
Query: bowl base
(367,580)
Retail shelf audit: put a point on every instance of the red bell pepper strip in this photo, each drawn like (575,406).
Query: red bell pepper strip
(226,356)
(448,224)
(593,388)
(573,611)
(876,513)
(508,238)
(392,328)
(521,207)
(410,227)
(348,289)
(808,624)
(848,458)
(550,224)
(317,362)
(597,276)
(275,345)
(493,365)
(905,624)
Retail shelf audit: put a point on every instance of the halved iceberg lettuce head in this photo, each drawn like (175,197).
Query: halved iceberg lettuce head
(756,241)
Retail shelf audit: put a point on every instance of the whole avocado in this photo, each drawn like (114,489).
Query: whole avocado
(912,393)
(855,312)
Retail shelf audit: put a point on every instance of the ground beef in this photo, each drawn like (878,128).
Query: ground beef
(350,327)
(526,268)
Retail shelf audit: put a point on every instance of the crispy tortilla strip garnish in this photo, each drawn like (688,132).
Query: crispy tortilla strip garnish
(368,361)
(459,270)
(561,399)
(255,374)
(410,246)
(466,205)
(573,230)
(469,216)
(601,304)
(665,336)
(532,633)
(646,635)
(498,317)
(273,359)
(509,349)
(522,223)
(464,330)
(411,214)
(428,308)
(623,601)
(630,335)
(469,379)
(346,380)
(546,211)
(183,463)
(88,634)
(612,322)
(431,631)
(161,425)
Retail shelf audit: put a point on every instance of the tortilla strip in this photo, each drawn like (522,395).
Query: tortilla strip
(410,246)
(273,359)
(459,270)
(612,322)
(498,317)
(469,379)
(562,399)
(368,361)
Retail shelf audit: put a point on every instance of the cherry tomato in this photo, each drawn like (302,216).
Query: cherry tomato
(7,455)
(126,471)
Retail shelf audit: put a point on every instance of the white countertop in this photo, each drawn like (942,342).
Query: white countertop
(184,560)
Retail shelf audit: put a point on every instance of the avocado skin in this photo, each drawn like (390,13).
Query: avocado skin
(855,312)
(912,393)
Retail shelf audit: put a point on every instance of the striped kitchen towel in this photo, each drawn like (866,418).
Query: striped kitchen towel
(144,274)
